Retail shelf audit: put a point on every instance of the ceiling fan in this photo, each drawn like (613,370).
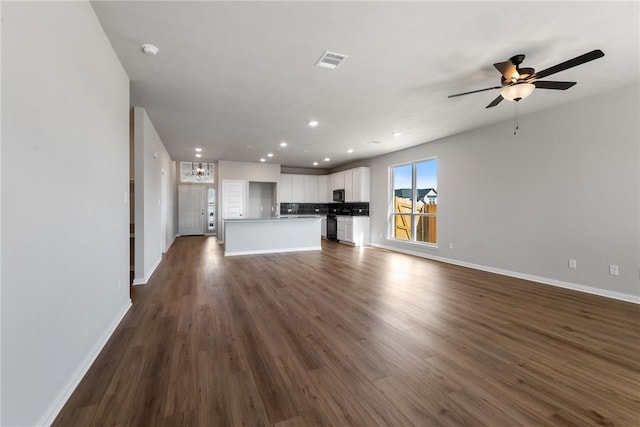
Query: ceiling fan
(518,83)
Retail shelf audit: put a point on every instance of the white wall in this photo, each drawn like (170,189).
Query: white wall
(1,19)
(245,171)
(65,136)
(151,158)
(567,186)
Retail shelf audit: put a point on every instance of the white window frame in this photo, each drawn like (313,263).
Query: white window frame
(414,203)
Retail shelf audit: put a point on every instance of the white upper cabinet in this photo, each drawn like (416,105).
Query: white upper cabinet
(338,181)
(330,187)
(348,186)
(284,189)
(297,188)
(322,189)
(310,188)
(319,188)
(356,184)
(294,188)
(361,183)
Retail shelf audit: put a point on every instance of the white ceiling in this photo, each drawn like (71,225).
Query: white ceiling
(235,74)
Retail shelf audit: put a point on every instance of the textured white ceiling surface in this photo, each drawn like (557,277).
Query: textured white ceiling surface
(234,75)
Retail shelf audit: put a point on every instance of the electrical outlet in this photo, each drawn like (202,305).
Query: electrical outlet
(572,263)
(317,210)
(450,245)
(613,269)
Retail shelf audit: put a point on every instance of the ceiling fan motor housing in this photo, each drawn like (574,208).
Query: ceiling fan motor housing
(517,59)
(526,72)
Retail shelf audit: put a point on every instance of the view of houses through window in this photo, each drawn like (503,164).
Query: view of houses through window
(415,201)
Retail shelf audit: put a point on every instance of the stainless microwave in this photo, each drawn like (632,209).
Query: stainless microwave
(338,196)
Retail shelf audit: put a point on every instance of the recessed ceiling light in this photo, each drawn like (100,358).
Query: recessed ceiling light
(198,155)
(269,154)
(326,159)
(315,163)
(313,123)
(263,160)
(198,149)
(150,49)
(283,144)
(350,150)
(396,134)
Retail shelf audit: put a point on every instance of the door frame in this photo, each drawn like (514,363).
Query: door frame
(163,211)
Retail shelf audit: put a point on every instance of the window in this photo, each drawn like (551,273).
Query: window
(211,209)
(414,201)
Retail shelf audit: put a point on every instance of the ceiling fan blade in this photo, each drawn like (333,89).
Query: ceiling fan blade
(495,102)
(474,91)
(578,60)
(507,69)
(542,84)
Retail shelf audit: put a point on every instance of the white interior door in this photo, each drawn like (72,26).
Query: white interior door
(163,211)
(191,210)
(232,199)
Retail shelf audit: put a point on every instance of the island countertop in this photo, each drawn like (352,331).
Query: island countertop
(281,218)
(246,236)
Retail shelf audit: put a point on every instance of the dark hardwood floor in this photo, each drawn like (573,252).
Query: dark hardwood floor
(351,336)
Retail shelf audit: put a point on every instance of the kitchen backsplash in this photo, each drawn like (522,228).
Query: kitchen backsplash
(324,208)
(355,209)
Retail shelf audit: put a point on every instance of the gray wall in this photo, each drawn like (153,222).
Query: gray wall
(303,171)
(65,213)
(262,200)
(151,158)
(567,186)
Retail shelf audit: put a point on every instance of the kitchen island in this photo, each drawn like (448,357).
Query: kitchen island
(272,235)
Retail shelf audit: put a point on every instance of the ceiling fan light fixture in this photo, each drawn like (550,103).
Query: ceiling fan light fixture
(518,91)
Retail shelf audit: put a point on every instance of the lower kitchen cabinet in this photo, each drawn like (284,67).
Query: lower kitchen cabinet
(323,228)
(341,227)
(353,230)
(348,232)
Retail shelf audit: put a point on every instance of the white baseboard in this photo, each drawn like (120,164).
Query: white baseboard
(144,280)
(169,245)
(544,280)
(272,251)
(56,406)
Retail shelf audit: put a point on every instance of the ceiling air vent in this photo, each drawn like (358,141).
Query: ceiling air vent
(330,60)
